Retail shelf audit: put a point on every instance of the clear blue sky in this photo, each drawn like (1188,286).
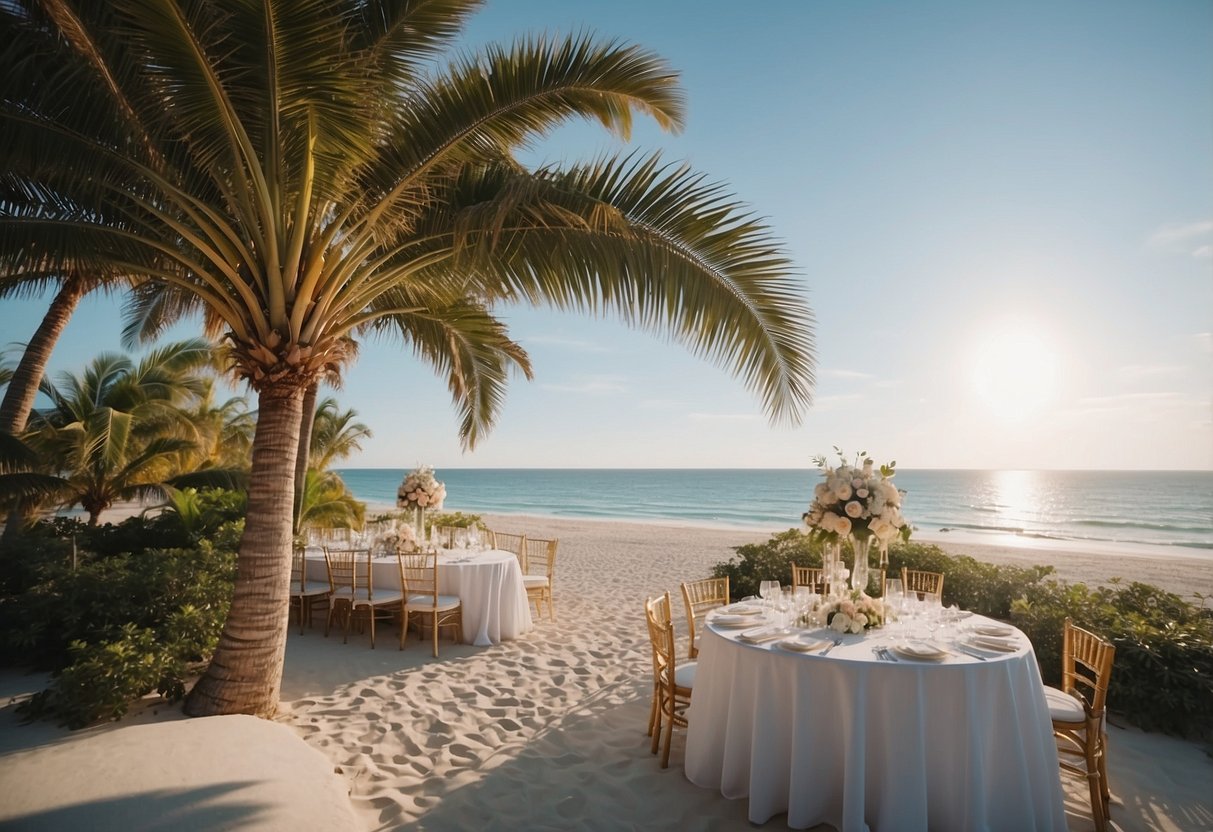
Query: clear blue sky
(1002,214)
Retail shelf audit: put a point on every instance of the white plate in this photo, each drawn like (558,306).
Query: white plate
(731,621)
(741,609)
(920,651)
(993,630)
(803,645)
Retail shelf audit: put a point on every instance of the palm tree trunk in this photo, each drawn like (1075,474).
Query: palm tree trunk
(245,674)
(23,387)
(305,447)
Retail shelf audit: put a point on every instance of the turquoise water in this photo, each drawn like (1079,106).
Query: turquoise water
(1168,508)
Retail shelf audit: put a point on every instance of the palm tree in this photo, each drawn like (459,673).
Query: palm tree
(335,434)
(308,171)
(117,430)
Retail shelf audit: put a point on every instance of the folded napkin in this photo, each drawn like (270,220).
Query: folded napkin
(992,643)
(726,620)
(801,646)
(920,650)
(993,630)
(742,609)
(760,635)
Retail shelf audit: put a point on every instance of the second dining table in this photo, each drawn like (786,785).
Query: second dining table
(488,582)
(862,739)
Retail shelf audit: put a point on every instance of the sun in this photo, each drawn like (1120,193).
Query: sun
(1015,369)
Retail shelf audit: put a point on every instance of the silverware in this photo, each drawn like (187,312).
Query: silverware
(969,652)
(837,642)
(888,654)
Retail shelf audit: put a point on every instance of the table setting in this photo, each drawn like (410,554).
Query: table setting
(870,713)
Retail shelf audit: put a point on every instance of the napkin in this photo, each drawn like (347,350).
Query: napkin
(993,630)
(725,620)
(760,635)
(920,650)
(741,609)
(992,643)
(802,646)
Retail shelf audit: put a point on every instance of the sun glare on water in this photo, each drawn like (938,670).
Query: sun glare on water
(1015,370)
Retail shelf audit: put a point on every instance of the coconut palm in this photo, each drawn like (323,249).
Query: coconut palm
(117,430)
(307,170)
(335,434)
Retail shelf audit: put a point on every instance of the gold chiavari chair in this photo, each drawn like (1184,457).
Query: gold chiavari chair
(419,575)
(508,542)
(539,573)
(808,576)
(350,578)
(306,595)
(672,683)
(922,583)
(1077,711)
(698,597)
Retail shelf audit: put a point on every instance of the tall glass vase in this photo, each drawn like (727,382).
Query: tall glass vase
(419,526)
(859,572)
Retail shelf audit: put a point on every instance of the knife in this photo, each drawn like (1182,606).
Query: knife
(969,652)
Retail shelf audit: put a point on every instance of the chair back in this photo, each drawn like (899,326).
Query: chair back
(661,636)
(540,557)
(808,576)
(419,574)
(700,596)
(299,569)
(1086,667)
(923,583)
(508,542)
(349,570)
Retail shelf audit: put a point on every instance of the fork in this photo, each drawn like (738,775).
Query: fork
(837,641)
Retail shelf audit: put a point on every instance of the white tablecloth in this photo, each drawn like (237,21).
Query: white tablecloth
(489,586)
(862,744)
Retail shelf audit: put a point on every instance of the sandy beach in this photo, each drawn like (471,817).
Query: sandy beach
(548,731)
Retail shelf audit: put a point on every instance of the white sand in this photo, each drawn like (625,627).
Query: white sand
(547,732)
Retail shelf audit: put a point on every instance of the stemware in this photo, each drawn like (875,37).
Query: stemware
(768,590)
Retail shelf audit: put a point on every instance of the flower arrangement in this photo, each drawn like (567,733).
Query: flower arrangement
(856,500)
(421,490)
(404,538)
(854,613)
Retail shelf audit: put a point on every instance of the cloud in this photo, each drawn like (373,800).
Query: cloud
(850,375)
(1189,237)
(593,386)
(565,343)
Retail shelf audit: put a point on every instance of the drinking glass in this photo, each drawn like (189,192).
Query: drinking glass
(768,590)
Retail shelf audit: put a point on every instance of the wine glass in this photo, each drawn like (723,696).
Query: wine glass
(768,590)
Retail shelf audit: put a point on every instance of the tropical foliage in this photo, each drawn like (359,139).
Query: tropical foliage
(118,430)
(119,611)
(308,172)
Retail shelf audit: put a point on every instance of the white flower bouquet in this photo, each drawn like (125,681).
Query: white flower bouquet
(404,538)
(856,500)
(854,614)
(420,490)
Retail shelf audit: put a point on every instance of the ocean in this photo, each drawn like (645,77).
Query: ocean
(1139,508)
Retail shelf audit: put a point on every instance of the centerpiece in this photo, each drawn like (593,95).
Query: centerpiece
(853,613)
(419,491)
(855,502)
(403,538)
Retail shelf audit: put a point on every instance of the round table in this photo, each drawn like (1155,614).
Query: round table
(489,585)
(860,743)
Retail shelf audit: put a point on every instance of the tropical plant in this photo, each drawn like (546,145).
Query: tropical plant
(327,503)
(117,431)
(335,434)
(309,172)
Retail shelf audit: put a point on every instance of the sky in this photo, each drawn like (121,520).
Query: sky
(1001,215)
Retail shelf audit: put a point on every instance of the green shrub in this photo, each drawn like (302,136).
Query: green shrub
(770,561)
(1162,676)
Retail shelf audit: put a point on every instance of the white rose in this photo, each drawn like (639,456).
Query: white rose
(862,493)
(861,620)
(822,491)
(843,491)
(843,526)
(853,509)
(829,521)
(840,622)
